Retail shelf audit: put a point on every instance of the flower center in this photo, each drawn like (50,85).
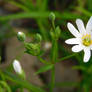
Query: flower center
(86,40)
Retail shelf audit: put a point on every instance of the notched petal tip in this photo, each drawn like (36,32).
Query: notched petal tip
(72,29)
(66,41)
(68,24)
(80,26)
(89,25)
(72,41)
(77,20)
(85,61)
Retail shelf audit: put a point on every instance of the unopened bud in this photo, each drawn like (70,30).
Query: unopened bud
(21,36)
(17,67)
(32,48)
(52,16)
(38,37)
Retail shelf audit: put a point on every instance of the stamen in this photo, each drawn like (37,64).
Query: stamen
(86,40)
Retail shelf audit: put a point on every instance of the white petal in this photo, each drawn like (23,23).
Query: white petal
(73,41)
(17,66)
(87,54)
(89,25)
(73,30)
(77,48)
(91,47)
(80,26)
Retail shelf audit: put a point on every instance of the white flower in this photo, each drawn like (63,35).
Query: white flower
(82,38)
(17,67)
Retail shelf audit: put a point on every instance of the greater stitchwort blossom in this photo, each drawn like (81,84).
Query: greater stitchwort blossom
(82,38)
(17,67)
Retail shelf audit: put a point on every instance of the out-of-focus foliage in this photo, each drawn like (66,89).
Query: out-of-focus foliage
(38,11)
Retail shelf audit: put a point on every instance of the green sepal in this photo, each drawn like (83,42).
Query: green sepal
(32,48)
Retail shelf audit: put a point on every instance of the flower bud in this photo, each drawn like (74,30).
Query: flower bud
(52,16)
(32,48)
(17,67)
(21,36)
(38,37)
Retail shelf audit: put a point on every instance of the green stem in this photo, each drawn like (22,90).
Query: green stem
(54,59)
(54,55)
(52,79)
(53,25)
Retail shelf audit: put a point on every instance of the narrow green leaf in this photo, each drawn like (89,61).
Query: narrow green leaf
(79,67)
(19,5)
(28,4)
(89,4)
(65,15)
(67,57)
(25,15)
(44,68)
(84,11)
(42,60)
(25,84)
(5,85)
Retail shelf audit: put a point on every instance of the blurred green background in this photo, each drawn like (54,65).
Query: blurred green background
(32,16)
